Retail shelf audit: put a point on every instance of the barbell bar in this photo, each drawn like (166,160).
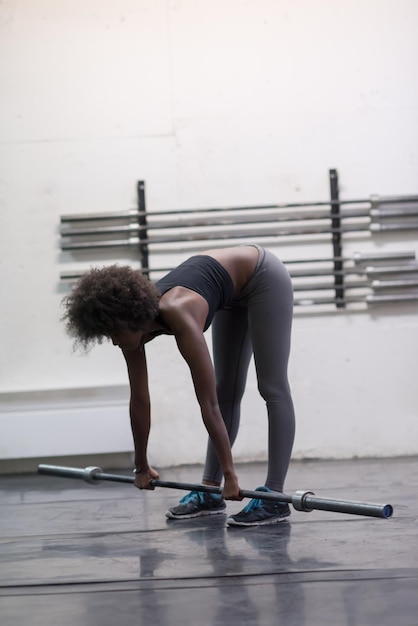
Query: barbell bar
(373,201)
(301,500)
(232,220)
(358,259)
(368,299)
(360,284)
(205,236)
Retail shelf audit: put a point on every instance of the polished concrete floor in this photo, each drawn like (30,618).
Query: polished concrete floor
(75,554)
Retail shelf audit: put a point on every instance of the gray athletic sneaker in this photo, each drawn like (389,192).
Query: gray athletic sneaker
(197,503)
(260,512)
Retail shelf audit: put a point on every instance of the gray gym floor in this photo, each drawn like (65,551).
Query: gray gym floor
(74,554)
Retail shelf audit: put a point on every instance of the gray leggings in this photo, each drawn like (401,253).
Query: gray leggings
(258,323)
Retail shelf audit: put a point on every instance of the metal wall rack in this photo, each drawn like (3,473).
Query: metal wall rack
(338,280)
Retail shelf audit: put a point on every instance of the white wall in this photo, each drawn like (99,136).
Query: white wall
(211,103)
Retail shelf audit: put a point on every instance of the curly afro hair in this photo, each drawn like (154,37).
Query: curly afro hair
(108,300)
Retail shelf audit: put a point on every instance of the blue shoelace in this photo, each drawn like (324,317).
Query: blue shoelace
(192,496)
(256,503)
(198,496)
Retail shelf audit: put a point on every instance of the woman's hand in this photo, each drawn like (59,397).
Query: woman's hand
(143,478)
(231,490)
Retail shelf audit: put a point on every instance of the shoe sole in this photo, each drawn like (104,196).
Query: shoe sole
(192,515)
(275,520)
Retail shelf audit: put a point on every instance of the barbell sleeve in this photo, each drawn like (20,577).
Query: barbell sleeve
(301,500)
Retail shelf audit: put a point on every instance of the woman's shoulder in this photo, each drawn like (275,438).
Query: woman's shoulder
(180,307)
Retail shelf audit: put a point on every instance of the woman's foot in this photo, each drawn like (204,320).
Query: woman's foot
(260,512)
(197,503)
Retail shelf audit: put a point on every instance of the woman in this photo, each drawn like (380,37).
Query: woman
(246,294)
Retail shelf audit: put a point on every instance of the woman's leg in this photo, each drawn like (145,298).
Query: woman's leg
(269,297)
(231,356)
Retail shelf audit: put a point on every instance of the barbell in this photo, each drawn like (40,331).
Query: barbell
(390,203)
(305,501)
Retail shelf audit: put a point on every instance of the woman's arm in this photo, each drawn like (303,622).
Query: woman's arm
(140,414)
(187,328)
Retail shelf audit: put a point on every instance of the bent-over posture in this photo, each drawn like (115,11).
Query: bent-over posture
(245,293)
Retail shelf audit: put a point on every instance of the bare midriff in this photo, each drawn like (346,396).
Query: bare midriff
(239,261)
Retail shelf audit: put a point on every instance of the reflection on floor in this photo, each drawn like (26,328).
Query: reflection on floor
(74,554)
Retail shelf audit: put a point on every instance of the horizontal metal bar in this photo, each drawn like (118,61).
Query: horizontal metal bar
(398,226)
(382,299)
(377,200)
(216,235)
(328,286)
(373,200)
(243,234)
(411,268)
(253,218)
(358,258)
(94,245)
(394,284)
(233,220)
(377,285)
(361,257)
(363,299)
(111,215)
(325,300)
(309,272)
(354,271)
(135,229)
(151,214)
(301,500)
(399,210)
